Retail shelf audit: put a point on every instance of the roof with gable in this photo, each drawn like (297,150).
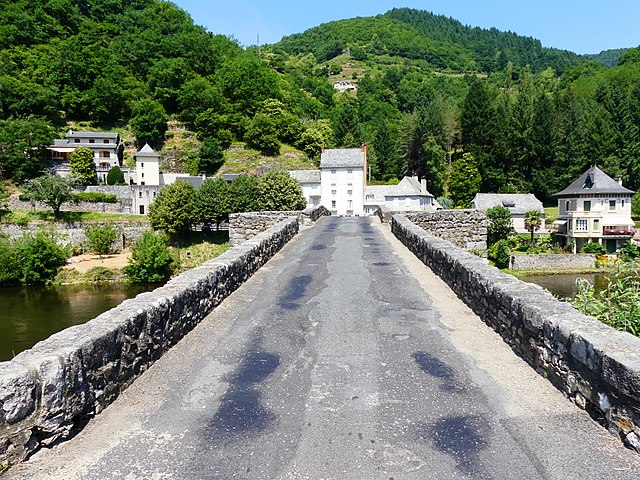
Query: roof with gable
(517,203)
(74,134)
(305,176)
(594,181)
(408,187)
(342,157)
(147,151)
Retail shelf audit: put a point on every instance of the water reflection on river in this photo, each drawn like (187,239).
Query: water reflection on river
(564,285)
(31,314)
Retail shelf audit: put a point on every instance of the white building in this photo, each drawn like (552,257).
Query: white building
(106,147)
(309,180)
(342,178)
(410,194)
(518,205)
(595,208)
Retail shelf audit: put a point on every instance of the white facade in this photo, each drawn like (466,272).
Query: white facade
(518,205)
(595,208)
(342,180)
(409,195)
(309,180)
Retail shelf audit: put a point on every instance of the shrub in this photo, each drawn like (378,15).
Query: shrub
(9,271)
(628,252)
(151,261)
(99,275)
(115,176)
(499,225)
(96,197)
(593,247)
(39,256)
(100,238)
(500,253)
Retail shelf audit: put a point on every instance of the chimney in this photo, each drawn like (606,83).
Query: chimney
(423,186)
(620,181)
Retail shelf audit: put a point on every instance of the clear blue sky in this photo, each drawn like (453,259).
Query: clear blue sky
(582,26)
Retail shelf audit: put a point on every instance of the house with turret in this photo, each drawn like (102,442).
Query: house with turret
(595,208)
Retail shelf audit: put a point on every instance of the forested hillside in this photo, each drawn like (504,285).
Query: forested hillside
(465,107)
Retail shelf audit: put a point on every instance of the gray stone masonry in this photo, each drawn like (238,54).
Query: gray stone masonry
(74,233)
(594,365)
(54,388)
(243,226)
(552,261)
(466,229)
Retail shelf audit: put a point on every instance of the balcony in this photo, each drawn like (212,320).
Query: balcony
(618,233)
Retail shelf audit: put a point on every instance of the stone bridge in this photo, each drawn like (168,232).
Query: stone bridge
(343,357)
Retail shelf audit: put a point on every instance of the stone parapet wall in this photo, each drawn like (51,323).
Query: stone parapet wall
(552,261)
(74,233)
(594,365)
(244,226)
(100,207)
(51,390)
(466,229)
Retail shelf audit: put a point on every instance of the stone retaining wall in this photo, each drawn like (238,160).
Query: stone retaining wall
(74,233)
(243,226)
(49,391)
(594,365)
(466,229)
(552,261)
(100,207)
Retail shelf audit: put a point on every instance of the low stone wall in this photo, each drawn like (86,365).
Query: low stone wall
(49,391)
(122,192)
(594,365)
(74,233)
(466,229)
(243,226)
(552,261)
(100,207)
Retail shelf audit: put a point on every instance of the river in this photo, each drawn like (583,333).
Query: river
(564,285)
(31,314)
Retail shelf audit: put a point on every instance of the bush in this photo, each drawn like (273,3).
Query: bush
(500,253)
(629,251)
(151,261)
(39,257)
(95,197)
(115,176)
(100,238)
(9,271)
(593,247)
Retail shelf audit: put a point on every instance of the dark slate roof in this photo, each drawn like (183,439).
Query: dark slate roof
(305,176)
(517,203)
(342,157)
(74,134)
(147,151)
(593,180)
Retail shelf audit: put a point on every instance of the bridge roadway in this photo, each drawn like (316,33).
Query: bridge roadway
(343,358)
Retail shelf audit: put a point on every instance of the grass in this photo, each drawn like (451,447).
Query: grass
(551,214)
(23,217)
(198,247)
(247,160)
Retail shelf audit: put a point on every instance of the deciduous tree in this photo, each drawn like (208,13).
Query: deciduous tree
(82,166)
(278,191)
(174,209)
(213,201)
(52,190)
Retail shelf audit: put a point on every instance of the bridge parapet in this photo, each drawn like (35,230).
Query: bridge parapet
(594,365)
(51,390)
(246,225)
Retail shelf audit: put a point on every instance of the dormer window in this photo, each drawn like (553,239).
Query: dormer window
(508,203)
(588,182)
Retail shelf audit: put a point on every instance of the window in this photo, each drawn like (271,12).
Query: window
(154,194)
(596,225)
(349,192)
(105,141)
(369,196)
(142,175)
(141,209)
(76,140)
(567,206)
(581,225)
(91,140)
(141,183)
(142,165)
(349,204)
(622,203)
(333,192)
(349,171)
(333,204)
(333,172)
(349,184)
(587,205)
(104,154)
(612,204)
(140,194)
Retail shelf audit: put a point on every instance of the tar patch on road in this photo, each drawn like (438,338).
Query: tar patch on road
(241,409)
(461,437)
(295,291)
(438,369)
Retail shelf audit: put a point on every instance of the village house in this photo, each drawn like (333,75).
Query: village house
(595,208)
(309,180)
(342,179)
(410,195)
(345,86)
(106,147)
(518,205)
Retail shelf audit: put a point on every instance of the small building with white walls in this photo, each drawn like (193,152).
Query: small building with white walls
(410,195)
(342,179)
(309,180)
(518,205)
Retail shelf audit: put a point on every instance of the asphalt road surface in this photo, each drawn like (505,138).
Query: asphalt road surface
(343,358)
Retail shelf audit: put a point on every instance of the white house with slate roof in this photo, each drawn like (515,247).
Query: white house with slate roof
(342,179)
(106,147)
(408,195)
(518,205)
(595,208)
(309,180)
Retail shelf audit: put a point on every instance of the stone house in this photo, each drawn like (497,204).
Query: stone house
(409,195)
(518,205)
(595,208)
(106,147)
